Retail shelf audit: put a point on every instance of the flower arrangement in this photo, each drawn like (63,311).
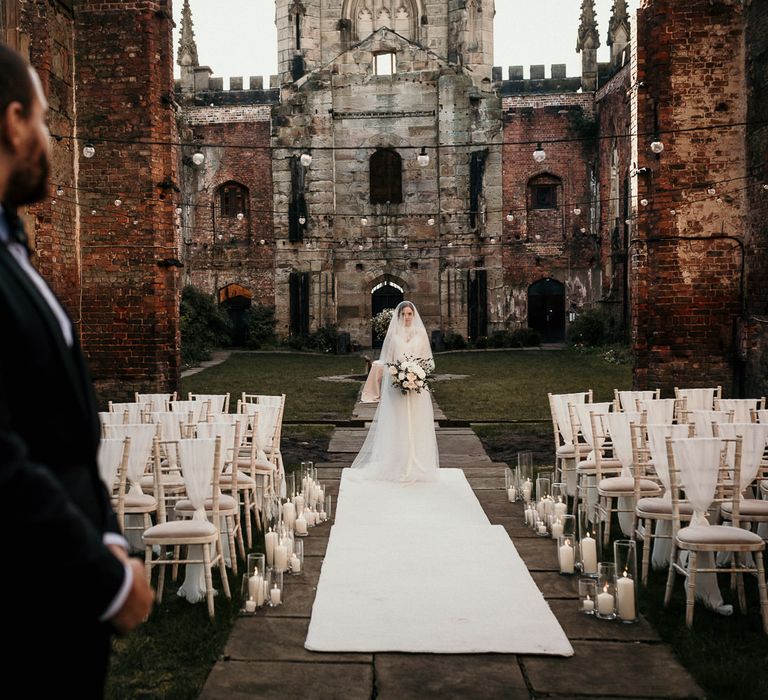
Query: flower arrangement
(411,374)
(381,322)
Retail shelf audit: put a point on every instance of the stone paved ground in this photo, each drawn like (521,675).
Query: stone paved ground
(265,655)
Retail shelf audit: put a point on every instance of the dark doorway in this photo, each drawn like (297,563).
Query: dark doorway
(477,303)
(298,286)
(546,310)
(386,295)
(236,300)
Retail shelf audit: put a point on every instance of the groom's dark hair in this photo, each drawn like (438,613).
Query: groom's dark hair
(15,80)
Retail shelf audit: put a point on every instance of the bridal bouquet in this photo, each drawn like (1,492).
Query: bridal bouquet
(411,374)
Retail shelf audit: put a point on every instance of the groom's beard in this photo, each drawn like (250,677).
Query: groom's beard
(28,184)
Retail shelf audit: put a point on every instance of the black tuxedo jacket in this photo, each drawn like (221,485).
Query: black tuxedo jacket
(54,508)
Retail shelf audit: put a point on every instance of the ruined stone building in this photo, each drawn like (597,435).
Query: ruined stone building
(389,158)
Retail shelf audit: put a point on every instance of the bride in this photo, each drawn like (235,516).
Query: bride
(401,443)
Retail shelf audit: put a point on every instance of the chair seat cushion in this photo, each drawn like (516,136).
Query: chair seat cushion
(717,534)
(226,504)
(259,464)
(569,451)
(243,480)
(140,500)
(749,506)
(661,506)
(181,529)
(172,480)
(609,465)
(626,484)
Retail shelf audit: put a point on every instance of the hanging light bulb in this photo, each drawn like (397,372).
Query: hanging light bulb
(135,222)
(178,210)
(302,220)
(53,202)
(430,221)
(88,150)
(719,200)
(583,230)
(361,246)
(577,211)
(59,191)
(198,157)
(364,221)
(627,221)
(305,159)
(539,155)
(711,190)
(118,202)
(93,212)
(405,246)
(644,202)
(765,186)
(673,211)
(510,217)
(240,216)
(220,236)
(657,146)
(262,241)
(493,240)
(423,158)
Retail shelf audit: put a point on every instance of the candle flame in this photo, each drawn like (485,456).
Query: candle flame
(605,588)
(625,573)
(588,598)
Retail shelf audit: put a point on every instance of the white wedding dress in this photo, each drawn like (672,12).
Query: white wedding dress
(401,444)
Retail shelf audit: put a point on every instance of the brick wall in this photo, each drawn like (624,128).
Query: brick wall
(755,346)
(686,291)
(129,303)
(539,244)
(219,251)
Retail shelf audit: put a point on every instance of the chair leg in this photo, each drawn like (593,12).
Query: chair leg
(223,568)
(737,564)
(648,526)
(576,496)
(231,536)
(690,590)
(670,576)
(209,579)
(175,570)
(161,577)
(148,563)
(761,587)
(247,514)
(608,504)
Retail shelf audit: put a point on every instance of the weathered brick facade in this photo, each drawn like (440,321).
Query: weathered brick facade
(674,245)
(687,250)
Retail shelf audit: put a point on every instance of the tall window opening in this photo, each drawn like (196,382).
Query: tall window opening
(386,177)
(233,200)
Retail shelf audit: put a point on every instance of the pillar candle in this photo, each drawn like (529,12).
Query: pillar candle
(289,514)
(299,502)
(605,602)
(255,585)
(557,529)
(511,494)
(295,564)
(560,509)
(542,528)
(588,605)
(250,605)
(566,557)
(527,490)
(281,558)
(270,541)
(589,554)
(275,594)
(625,598)
(323,516)
(301,525)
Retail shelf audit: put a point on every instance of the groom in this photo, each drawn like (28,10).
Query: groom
(66,580)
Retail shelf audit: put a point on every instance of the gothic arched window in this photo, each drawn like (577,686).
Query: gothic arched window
(233,200)
(365,16)
(386,177)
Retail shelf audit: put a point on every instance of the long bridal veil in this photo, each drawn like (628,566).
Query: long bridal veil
(401,443)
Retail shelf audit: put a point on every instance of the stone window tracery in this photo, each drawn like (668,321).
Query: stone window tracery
(366,16)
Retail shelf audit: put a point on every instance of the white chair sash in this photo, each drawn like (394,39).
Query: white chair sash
(198,409)
(563,418)
(740,407)
(158,403)
(753,439)
(628,399)
(111,418)
(142,435)
(621,437)
(222,429)
(196,461)
(697,399)
(657,448)
(584,412)
(109,456)
(216,401)
(658,410)
(702,421)
(134,410)
(698,460)
(762,415)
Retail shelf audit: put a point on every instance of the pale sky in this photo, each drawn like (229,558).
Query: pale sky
(238,37)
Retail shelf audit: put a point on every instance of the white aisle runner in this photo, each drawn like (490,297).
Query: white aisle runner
(419,568)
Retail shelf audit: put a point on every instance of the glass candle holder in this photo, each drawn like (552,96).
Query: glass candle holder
(625,558)
(524,471)
(254,581)
(290,484)
(541,528)
(566,525)
(566,554)
(606,592)
(510,484)
(328,504)
(543,485)
(280,560)
(589,539)
(587,595)
(275,591)
(296,561)
(526,490)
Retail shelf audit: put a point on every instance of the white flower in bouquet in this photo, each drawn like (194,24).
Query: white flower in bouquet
(393,370)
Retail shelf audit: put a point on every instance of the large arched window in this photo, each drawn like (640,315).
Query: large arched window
(365,16)
(233,200)
(386,176)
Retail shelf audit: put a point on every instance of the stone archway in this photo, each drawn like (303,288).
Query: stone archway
(236,299)
(387,294)
(546,309)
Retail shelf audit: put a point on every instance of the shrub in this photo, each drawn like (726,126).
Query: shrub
(260,324)
(499,339)
(481,343)
(594,327)
(525,338)
(380,323)
(204,325)
(324,339)
(455,341)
